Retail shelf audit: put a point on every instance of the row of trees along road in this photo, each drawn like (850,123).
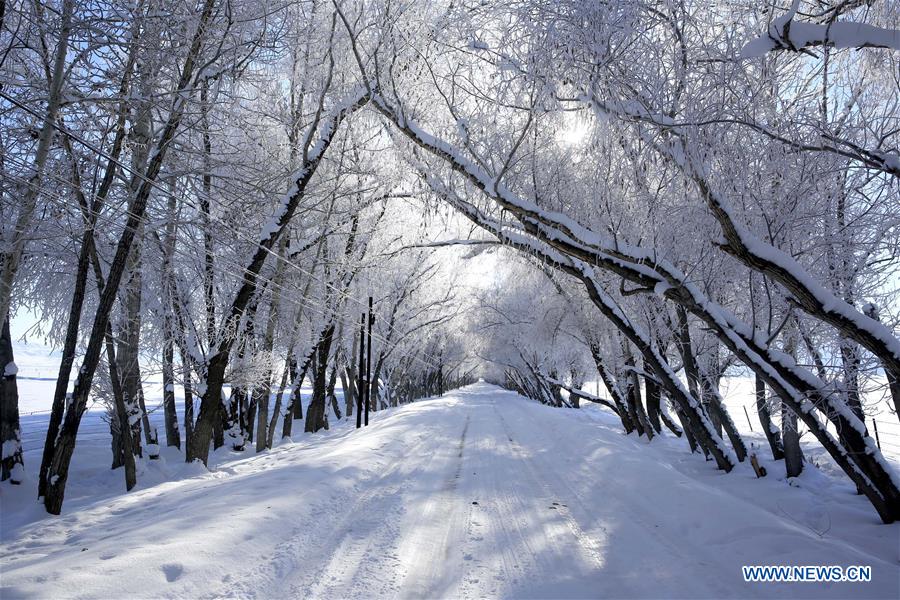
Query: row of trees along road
(208,187)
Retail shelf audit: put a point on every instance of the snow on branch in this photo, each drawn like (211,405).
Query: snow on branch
(787,34)
(584,395)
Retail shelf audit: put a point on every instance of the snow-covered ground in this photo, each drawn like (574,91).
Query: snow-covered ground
(480,493)
(740,399)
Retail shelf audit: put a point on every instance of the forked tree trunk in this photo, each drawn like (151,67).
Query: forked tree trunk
(150,434)
(668,422)
(717,407)
(633,393)
(296,397)
(613,389)
(329,391)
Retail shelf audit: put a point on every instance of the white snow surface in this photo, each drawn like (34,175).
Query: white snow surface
(480,493)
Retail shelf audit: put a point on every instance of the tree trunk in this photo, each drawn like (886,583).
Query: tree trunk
(329,390)
(668,422)
(262,394)
(129,338)
(613,389)
(58,471)
(654,397)
(150,434)
(188,397)
(633,393)
(793,454)
(316,417)
(773,434)
(11,257)
(235,430)
(219,424)
(276,412)
(12,464)
(688,434)
(296,398)
(691,368)
(209,288)
(348,384)
(173,436)
(123,455)
(717,407)
(270,437)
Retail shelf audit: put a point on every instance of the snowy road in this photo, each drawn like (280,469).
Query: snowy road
(477,494)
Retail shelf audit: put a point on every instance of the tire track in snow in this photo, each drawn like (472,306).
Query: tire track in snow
(502,546)
(362,550)
(273,574)
(592,549)
(426,552)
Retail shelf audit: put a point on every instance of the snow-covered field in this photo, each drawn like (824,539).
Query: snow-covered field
(480,493)
(740,399)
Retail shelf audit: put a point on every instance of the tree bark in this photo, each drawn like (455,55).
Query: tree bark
(654,397)
(58,471)
(12,463)
(316,417)
(612,387)
(270,436)
(717,407)
(633,393)
(173,436)
(773,434)
(793,454)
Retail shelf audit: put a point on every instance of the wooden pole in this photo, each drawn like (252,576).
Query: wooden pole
(369,363)
(746,414)
(359,386)
(875,427)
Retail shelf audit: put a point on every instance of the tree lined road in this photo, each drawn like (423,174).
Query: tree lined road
(480,493)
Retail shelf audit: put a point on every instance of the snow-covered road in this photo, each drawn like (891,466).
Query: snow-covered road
(477,494)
